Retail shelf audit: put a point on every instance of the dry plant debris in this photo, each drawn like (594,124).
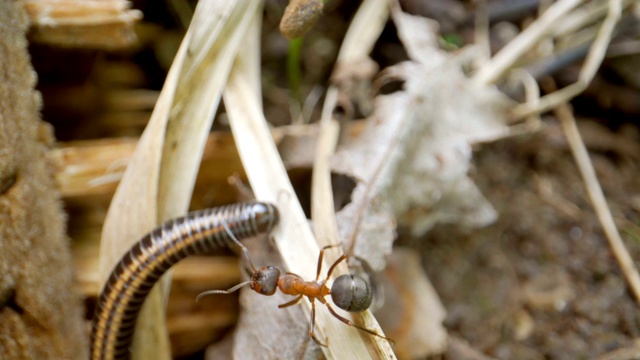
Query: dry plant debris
(412,159)
(413,313)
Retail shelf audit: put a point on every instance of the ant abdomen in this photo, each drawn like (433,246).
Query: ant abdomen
(351,293)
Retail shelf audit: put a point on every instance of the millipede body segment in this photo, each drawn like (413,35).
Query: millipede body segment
(141,267)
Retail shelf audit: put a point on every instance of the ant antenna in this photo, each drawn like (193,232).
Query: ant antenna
(263,281)
(225,292)
(246,254)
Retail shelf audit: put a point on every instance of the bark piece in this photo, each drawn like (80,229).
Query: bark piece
(40,318)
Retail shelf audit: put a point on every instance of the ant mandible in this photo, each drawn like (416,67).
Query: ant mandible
(348,292)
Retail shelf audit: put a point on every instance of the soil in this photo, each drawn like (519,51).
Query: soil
(540,283)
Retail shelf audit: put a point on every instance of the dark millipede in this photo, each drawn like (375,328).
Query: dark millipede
(141,267)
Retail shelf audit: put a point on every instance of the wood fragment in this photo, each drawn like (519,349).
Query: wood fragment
(97,24)
(88,169)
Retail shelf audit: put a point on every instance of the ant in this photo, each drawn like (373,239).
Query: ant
(348,292)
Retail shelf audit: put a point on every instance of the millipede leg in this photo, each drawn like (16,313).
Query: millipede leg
(242,247)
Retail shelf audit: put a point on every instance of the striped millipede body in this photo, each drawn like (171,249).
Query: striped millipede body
(141,267)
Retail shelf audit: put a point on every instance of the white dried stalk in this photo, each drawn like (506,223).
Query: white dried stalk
(588,173)
(270,182)
(587,72)
(362,34)
(150,190)
(516,48)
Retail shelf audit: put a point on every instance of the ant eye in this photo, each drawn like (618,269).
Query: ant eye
(351,293)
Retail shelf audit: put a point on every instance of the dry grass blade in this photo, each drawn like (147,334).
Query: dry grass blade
(358,43)
(598,200)
(589,14)
(159,179)
(198,95)
(503,60)
(592,63)
(270,182)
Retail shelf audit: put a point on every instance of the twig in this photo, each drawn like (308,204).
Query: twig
(522,43)
(588,71)
(481,33)
(579,150)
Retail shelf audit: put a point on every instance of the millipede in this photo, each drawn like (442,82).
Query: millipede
(140,268)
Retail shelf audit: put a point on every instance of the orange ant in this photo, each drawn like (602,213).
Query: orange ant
(348,292)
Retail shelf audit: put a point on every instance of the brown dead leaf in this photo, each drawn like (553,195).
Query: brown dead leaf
(413,313)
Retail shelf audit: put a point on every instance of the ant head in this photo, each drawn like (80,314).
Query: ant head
(351,293)
(265,280)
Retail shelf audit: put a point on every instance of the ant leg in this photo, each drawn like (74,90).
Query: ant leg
(351,323)
(341,258)
(313,325)
(292,302)
(322,256)
(244,248)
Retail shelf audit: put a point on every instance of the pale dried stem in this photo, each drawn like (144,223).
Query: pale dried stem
(592,63)
(585,15)
(531,91)
(322,206)
(481,33)
(516,49)
(159,179)
(269,180)
(364,30)
(579,150)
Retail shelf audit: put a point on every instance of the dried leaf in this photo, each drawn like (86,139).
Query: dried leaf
(409,296)
(412,159)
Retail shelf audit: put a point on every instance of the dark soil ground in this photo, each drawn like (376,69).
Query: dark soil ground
(541,283)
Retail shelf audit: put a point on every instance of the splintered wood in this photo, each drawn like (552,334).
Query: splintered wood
(100,24)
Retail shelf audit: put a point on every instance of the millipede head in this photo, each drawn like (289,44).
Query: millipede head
(265,280)
(351,293)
